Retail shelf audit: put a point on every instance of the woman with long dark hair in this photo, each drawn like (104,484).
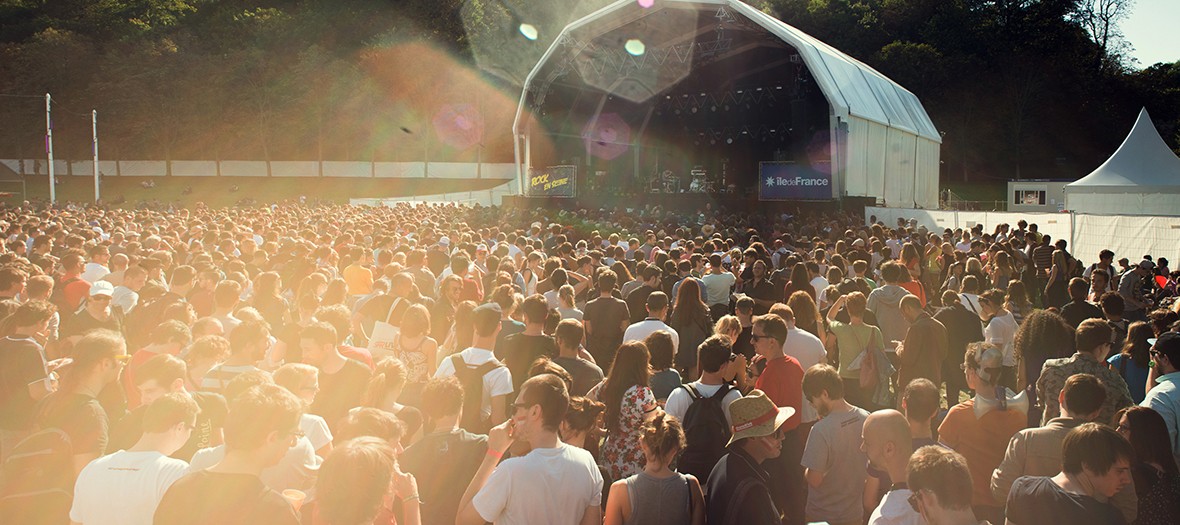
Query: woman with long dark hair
(629,404)
(1057,287)
(692,322)
(1157,480)
(269,300)
(800,281)
(1133,362)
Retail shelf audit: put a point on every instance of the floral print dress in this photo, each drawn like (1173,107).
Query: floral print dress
(621,453)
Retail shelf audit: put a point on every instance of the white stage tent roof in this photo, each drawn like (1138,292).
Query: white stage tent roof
(1142,177)
(886,146)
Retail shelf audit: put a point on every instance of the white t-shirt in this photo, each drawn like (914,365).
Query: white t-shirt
(819,283)
(1001,331)
(297,470)
(639,331)
(809,351)
(316,430)
(498,382)
(548,486)
(125,299)
(679,401)
(94,271)
(895,509)
(124,488)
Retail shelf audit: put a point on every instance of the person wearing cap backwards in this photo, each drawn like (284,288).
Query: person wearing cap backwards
(981,427)
(95,313)
(1164,398)
(739,488)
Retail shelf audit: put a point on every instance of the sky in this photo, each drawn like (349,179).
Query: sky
(1154,30)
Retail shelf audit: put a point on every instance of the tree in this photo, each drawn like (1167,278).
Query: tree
(1100,19)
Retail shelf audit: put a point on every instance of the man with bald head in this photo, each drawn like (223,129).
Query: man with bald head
(885,439)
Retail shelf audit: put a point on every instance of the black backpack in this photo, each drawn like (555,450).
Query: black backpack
(707,432)
(471,377)
(37,479)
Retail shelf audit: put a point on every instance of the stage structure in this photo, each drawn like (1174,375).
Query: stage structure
(715,96)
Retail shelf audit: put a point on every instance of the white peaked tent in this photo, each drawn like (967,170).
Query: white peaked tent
(1142,177)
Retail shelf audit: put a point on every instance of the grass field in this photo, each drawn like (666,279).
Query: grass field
(218,191)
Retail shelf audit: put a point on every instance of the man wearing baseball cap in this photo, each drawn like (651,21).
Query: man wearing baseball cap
(739,490)
(96,312)
(1165,396)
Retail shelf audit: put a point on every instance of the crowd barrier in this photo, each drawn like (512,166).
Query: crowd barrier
(489,197)
(257,168)
(1130,236)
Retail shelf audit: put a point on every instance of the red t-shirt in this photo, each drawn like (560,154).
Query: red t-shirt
(782,381)
(140,357)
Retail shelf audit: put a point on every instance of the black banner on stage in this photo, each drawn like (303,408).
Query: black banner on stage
(553,181)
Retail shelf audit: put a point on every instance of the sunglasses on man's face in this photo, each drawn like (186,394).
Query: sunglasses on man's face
(915,500)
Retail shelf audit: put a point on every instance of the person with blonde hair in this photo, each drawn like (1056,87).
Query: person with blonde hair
(981,427)
(356,482)
(385,391)
(657,495)
(304,381)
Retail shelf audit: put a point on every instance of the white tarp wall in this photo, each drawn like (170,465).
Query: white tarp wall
(1129,236)
(489,197)
(257,168)
(1128,203)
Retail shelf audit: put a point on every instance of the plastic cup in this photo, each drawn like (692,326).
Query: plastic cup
(296,497)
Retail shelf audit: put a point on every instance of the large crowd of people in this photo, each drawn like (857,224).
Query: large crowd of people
(304,363)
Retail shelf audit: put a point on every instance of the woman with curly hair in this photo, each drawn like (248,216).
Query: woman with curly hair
(1043,335)
(629,404)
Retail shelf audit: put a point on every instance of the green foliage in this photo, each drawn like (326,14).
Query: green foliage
(1020,87)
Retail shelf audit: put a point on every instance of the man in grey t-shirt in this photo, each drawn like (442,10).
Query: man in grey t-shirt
(834,462)
(586,374)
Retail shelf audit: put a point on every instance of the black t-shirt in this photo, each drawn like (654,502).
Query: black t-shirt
(607,315)
(83,322)
(1035,500)
(210,420)
(214,498)
(519,352)
(743,345)
(21,363)
(341,391)
(81,417)
(443,464)
(1077,311)
(637,303)
(507,327)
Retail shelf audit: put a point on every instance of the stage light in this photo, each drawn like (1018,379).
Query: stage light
(694,110)
(729,141)
(714,108)
(646,3)
(759,89)
(529,31)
